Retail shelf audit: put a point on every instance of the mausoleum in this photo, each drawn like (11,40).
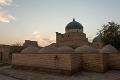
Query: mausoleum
(71,53)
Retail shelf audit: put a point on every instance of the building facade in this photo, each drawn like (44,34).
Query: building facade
(73,36)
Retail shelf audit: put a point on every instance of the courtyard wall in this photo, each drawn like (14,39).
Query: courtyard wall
(67,63)
(113,60)
(59,62)
(5,54)
(93,62)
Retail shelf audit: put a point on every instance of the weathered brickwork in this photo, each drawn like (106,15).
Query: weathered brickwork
(70,62)
(93,62)
(114,60)
(48,61)
(71,39)
(5,53)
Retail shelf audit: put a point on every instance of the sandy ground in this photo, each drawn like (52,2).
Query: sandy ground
(2,77)
(27,75)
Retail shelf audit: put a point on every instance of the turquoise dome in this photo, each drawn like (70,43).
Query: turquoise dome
(74,26)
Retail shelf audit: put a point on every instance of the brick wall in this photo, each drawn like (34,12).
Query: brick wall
(60,61)
(93,62)
(72,38)
(114,60)
(75,62)
(72,62)
(53,61)
(5,53)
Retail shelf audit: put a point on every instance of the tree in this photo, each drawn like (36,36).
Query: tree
(17,44)
(110,34)
(17,47)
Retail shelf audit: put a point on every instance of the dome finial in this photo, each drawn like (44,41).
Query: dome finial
(73,19)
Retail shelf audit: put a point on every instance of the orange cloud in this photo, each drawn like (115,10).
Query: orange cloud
(43,41)
(5,2)
(5,17)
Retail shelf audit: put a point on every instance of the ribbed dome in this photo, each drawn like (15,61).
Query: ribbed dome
(74,26)
(48,49)
(86,49)
(65,49)
(30,49)
(108,49)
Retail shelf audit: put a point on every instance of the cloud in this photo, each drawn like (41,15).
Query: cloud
(5,17)
(43,41)
(91,37)
(36,34)
(6,2)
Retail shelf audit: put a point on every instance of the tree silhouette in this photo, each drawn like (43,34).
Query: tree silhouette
(17,44)
(110,34)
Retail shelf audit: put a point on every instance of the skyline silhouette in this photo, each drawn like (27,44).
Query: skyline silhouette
(39,20)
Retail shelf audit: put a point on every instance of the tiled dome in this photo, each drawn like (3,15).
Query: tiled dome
(30,49)
(86,49)
(65,49)
(108,49)
(48,49)
(74,26)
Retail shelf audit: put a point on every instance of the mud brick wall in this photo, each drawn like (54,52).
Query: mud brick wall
(114,60)
(52,61)
(93,62)
(75,62)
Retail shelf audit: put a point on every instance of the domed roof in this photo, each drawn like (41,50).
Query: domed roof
(108,49)
(30,49)
(86,49)
(73,25)
(65,49)
(97,38)
(49,49)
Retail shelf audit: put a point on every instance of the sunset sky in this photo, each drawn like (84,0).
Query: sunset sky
(39,19)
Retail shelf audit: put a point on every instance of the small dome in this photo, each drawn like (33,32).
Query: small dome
(48,49)
(65,49)
(97,38)
(52,44)
(74,26)
(30,49)
(108,49)
(86,49)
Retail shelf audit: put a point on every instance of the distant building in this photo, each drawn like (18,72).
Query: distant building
(30,43)
(6,52)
